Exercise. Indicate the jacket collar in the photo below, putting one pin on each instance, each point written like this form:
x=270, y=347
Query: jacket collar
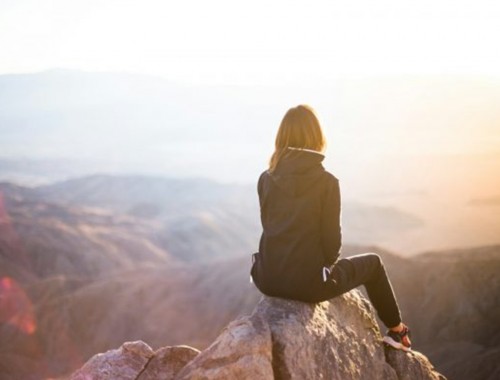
x=299, y=161
x=298, y=170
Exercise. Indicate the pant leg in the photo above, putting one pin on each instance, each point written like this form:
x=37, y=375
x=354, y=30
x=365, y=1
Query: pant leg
x=367, y=269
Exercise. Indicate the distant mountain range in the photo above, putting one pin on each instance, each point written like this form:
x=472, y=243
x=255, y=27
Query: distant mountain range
x=224, y=218
x=82, y=270
x=121, y=122
x=417, y=157
x=452, y=300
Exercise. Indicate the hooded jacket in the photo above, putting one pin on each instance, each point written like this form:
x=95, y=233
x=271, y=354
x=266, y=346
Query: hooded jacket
x=300, y=216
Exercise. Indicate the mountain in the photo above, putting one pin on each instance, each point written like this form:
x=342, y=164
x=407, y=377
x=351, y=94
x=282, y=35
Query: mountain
x=81, y=279
x=171, y=211
x=453, y=296
x=422, y=150
x=47, y=239
x=199, y=300
x=451, y=299
x=224, y=217
x=73, y=319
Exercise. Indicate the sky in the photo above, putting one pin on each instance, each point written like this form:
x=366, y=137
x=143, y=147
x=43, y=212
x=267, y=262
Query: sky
x=252, y=42
x=386, y=61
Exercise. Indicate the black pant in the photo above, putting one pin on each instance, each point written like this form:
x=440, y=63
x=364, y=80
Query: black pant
x=367, y=269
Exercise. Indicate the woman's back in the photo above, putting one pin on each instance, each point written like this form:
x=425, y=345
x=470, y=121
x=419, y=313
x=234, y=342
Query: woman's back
x=293, y=249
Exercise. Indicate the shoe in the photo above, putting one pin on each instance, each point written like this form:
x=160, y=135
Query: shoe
x=399, y=340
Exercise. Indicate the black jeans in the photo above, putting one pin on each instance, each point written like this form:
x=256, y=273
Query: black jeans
x=367, y=269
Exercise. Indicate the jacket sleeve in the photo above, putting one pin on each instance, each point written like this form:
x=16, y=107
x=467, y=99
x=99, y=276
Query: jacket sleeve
x=331, y=230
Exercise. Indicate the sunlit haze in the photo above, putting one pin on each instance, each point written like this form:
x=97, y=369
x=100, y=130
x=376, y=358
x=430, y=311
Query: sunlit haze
x=252, y=42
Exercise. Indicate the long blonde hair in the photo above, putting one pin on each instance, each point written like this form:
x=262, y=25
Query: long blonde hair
x=300, y=128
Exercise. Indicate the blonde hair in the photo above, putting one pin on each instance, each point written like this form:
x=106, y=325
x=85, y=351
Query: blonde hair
x=300, y=128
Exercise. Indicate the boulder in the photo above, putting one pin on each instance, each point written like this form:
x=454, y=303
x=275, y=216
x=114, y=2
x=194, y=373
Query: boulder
x=167, y=362
x=287, y=339
x=136, y=361
x=123, y=363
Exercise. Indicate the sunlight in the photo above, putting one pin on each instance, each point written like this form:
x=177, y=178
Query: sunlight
x=254, y=43
x=15, y=306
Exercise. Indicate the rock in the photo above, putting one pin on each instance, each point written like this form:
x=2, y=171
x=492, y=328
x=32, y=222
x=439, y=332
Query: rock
x=411, y=365
x=243, y=351
x=124, y=363
x=167, y=362
x=136, y=361
x=286, y=339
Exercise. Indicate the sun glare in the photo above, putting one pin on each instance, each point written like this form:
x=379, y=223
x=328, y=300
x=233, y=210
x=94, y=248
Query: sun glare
x=256, y=42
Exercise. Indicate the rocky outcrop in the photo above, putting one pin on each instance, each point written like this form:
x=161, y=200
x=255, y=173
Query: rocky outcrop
x=136, y=361
x=285, y=339
x=281, y=339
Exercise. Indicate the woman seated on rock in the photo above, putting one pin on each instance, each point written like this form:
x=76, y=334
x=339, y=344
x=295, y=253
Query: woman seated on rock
x=300, y=245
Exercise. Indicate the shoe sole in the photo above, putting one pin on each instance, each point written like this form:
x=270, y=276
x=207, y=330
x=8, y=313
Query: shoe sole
x=396, y=345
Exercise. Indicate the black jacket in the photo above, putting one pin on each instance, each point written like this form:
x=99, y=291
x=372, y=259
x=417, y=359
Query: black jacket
x=300, y=215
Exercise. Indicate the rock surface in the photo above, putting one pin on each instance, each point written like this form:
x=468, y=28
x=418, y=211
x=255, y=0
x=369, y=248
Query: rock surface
x=124, y=363
x=167, y=362
x=136, y=361
x=281, y=339
x=411, y=365
x=285, y=339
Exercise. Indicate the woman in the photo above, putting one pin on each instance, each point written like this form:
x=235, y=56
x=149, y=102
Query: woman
x=300, y=245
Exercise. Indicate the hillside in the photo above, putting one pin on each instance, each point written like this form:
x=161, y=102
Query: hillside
x=80, y=279
x=224, y=217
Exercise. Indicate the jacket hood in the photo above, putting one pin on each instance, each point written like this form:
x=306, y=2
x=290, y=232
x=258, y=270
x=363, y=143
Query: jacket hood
x=298, y=171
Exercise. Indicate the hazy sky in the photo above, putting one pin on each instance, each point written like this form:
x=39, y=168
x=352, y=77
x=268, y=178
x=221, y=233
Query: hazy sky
x=249, y=42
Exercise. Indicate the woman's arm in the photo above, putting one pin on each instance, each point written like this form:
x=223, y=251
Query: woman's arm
x=331, y=231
